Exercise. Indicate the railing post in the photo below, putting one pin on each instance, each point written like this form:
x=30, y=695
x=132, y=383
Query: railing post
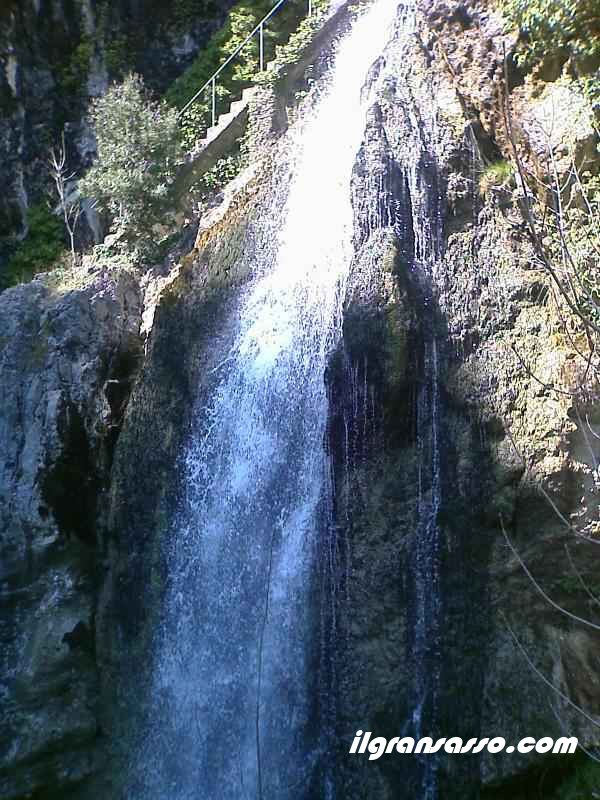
x=214, y=101
x=310, y=8
x=261, y=36
x=212, y=82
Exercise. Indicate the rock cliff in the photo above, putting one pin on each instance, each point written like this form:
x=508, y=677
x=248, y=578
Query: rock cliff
x=68, y=352
x=55, y=57
x=449, y=326
x=514, y=455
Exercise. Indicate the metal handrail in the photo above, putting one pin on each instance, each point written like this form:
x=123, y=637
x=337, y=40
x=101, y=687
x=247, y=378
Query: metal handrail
x=212, y=81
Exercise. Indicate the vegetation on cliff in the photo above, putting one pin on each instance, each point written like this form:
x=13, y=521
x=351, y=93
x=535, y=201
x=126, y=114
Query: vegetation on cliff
x=549, y=27
x=138, y=152
x=55, y=57
x=559, y=32
x=242, y=20
x=551, y=166
x=39, y=251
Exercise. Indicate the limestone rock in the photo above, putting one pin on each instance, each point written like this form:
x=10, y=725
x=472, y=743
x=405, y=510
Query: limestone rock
x=66, y=360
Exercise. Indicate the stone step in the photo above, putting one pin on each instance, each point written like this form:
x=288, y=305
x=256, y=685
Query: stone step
x=236, y=108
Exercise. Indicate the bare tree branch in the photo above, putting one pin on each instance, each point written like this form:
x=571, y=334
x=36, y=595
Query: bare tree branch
x=527, y=205
x=583, y=583
x=592, y=431
x=71, y=210
x=540, y=590
x=566, y=731
x=542, y=677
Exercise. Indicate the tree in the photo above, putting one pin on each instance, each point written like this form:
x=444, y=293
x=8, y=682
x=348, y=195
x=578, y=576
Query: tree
x=549, y=26
x=138, y=151
x=69, y=202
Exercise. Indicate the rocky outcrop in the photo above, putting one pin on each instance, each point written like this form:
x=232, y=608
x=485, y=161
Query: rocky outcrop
x=67, y=356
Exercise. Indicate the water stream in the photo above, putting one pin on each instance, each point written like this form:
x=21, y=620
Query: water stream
x=427, y=543
x=233, y=697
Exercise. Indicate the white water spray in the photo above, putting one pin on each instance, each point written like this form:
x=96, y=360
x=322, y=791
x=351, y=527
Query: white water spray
x=234, y=687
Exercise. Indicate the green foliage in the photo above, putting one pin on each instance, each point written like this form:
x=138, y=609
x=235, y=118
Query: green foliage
x=40, y=249
x=583, y=784
x=73, y=75
x=570, y=584
x=116, y=55
x=290, y=52
x=186, y=12
x=243, y=71
x=590, y=85
x=222, y=172
x=138, y=152
x=494, y=176
x=120, y=51
x=550, y=27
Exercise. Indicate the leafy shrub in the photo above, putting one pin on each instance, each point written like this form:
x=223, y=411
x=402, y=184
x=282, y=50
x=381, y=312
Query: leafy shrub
x=186, y=12
x=222, y=172
x=583, y=784
x=138, y=151
x=551, y=26
x=73, y=75
x=40, y=249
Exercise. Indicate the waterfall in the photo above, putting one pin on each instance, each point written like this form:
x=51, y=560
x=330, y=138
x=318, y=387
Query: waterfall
x=426, y=554
x=232, y=703
x=427, y=220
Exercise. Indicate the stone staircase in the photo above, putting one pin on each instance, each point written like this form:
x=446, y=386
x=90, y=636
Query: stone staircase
x=219, y=141
x=237, y=109
x=230, y=126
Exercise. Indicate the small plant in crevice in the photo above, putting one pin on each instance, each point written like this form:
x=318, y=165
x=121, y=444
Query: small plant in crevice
x=497, y=175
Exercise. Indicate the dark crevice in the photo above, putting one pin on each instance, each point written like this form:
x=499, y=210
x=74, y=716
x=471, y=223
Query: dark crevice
x=71, y=484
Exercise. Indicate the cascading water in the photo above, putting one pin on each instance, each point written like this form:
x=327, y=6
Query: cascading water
x=233, y=694
x=427, y=227
x=426, y=561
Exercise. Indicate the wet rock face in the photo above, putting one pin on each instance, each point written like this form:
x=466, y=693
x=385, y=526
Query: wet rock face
x=63, y=352
x=382, y=450
x=501, y=437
